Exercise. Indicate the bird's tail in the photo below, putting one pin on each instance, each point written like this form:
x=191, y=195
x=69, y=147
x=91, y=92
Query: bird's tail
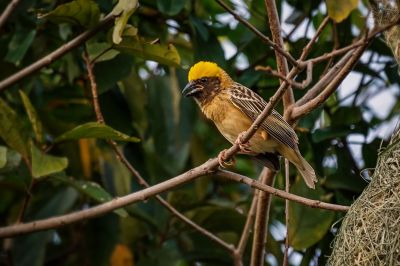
x=305, y=169
x=307, y=172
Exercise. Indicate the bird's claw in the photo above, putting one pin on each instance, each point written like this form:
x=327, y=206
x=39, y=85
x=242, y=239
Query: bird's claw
x=244, y=147
x=223, y=162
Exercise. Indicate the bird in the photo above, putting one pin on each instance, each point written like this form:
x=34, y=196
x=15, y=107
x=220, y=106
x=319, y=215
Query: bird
x=233, y=108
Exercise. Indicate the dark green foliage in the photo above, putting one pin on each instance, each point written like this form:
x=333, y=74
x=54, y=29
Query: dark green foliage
x=48, y=126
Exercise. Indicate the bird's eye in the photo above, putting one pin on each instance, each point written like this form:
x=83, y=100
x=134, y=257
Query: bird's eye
x=203, y=80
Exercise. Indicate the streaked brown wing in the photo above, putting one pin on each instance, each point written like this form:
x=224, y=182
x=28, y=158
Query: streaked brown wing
x=252, y=105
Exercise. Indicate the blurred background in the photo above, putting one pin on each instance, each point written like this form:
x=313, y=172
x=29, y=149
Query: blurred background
x=140, y=96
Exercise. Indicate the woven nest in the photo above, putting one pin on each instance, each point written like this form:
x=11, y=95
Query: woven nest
x=370, y=232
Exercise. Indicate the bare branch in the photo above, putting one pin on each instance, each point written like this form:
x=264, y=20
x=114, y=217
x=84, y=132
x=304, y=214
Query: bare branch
x=287, y=189
x=62, y=50
x=247, y=227
x=306, y=108
x=259, y=34
x=275, y=27
x=7, y=12
x=291, y=82
x=262, y=219
x=307, y=49
x=204, y=169
x=59, y=221
x=280, y=193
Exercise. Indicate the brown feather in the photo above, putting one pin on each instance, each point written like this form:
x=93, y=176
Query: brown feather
x=252, y=105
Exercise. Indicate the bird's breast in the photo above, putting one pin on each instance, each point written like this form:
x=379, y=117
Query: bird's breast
x=230, y=121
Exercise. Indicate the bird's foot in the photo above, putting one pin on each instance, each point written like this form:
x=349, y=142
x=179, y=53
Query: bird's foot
x=223, y=161
x=244, y=146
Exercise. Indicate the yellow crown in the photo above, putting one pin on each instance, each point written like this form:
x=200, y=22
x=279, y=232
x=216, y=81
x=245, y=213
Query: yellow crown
x=204, y=69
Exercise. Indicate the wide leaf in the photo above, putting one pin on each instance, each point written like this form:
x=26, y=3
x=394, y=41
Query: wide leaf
x=124, y=9
x=43, y=164
x=33, y=117
x=161, y=53
x=95, y=130
x=338, y=10
x=91, y=189
x=307, y=225
x=85, y=13
x=3, y=156
x=11, y=129
x=170, y=7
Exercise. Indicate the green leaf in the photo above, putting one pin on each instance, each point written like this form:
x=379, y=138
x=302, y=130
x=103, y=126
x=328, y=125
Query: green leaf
x=170, y=7
x=327, y=133
x=338, y=10
x=97, y=50
x=3, y=156
x=91, y=189
x=307, y=225
x=11, y=129
x=346, y=115
x=30, y=250
x=19, y=45
x=81, y=12
x=33, y=117
x=124, y=9
x=95, y=130
x=43, y=164
x=12, y=160
x=106, y=79
x=161, y=53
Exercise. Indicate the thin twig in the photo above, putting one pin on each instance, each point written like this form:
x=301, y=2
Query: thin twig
x=307, y=48
x=259, y=34
x=262, y=219
x=281, y=62
x=7, y=12
x=204, y=169
x=291, y=82
x=281, y=193
x=287, y=189
x=120, y=156
x=306, y=108
x=366, y=38
x=116, y=203
x=247, y=227
x=59, y=52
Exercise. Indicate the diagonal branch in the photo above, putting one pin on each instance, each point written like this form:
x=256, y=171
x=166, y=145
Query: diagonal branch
x=267, y=40
x=204, y=169
x=7, y=12
x=281, y=62
x=281, y=193
x=300, y=111
x=56, y=54
x=262, y=218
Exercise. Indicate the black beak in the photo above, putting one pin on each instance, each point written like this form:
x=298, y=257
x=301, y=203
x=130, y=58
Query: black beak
x=191, y=88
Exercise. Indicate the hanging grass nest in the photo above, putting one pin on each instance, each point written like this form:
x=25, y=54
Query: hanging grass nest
x=370, y=232
x=385, y=12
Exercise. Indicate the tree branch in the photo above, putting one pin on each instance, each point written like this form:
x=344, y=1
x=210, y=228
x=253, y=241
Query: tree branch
x=7, y=12
x=247, y=227
x=267, y=40
x=262, y=219
x=275, y=27
x=280, y=193
x=287, y=189
x=306, y=108
x=62, y=50
x=204, y=169
x=59, y=221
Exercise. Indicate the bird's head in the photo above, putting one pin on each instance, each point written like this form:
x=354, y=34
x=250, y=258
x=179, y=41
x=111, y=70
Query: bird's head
x=205, y=80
